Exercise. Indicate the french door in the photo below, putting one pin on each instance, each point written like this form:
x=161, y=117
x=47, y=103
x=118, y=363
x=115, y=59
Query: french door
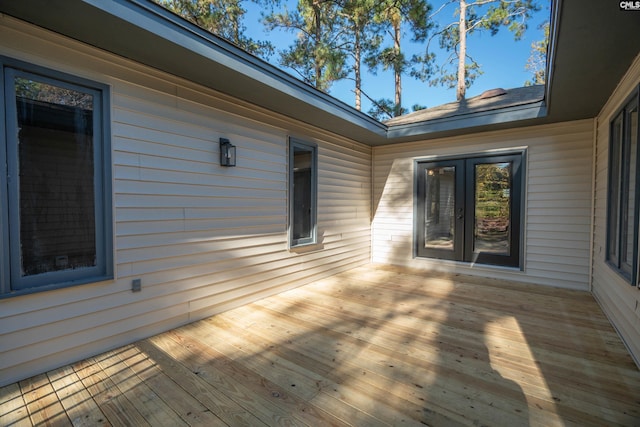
x=469, y=209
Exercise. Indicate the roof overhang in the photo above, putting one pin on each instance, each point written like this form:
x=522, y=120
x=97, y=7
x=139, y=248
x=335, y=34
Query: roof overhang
x=149, y=34
x=473, y=122
x=593, y=43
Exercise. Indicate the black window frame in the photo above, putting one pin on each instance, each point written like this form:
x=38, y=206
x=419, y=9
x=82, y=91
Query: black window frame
x=294, y=216
x=620, y=212
x=465, y=209
x=12, y=281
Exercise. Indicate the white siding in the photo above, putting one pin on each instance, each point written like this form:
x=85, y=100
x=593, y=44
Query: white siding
x=557, y=222
x=202, y=238
x=620, y=300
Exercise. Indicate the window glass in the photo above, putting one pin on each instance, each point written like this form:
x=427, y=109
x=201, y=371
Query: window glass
x=615, y=153
x=492, y=208
x=439, y=227
x=622, y=206
x=469, y=209
x=55, y=181
x=302, y=193
x=629, y=209
x=56, y=186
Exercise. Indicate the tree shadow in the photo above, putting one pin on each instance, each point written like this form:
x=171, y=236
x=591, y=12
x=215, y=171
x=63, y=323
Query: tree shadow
x=351, y=349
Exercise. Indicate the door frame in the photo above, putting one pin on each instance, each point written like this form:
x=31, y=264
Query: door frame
x=458, y=210
x=468, y=256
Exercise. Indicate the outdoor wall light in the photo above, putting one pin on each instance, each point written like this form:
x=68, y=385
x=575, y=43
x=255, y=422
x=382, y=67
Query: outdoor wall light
x=227, y=153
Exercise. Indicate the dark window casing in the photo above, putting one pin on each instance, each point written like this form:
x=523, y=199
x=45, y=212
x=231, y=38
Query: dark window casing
x=469, y=209
x=55, y=188
x=303, y=184
x=623, y=197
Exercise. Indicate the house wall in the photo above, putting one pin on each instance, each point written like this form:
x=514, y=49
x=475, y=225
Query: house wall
x=557, y=220
x=619, y=300
x=201, y=237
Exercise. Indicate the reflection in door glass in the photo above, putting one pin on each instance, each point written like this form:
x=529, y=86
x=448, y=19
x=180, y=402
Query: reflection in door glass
x=493, y=203
x=440, y=207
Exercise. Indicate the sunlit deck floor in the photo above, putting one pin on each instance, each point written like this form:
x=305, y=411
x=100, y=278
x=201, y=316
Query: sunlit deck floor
x=372, y=346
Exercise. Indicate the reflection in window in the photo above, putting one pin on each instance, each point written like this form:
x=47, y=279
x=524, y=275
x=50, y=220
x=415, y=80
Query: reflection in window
x=440, y=207
x=622, y=215
x=469, y=209
x=57, y=226
x=56, y=181
x=492, y=203
x=303, y=184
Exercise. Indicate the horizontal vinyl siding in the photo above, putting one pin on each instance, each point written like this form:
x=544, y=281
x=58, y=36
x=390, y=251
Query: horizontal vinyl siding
x=557, y=220
x=619, y=300
x=202, y=238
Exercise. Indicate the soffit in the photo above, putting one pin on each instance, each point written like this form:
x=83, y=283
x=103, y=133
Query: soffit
x=593, y=44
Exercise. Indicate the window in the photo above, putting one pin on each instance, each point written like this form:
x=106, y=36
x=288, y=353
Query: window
x=303, y=181
x=623, y=200
x=55, y=184
x=469, y=209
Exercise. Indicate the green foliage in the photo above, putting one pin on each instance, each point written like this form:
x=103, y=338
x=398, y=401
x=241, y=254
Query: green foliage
x=391, y=15
x=493, y=183
x=360, y=37
x=479, y=16
x=537, y=62
x=222, y=18
x=512, y=15
x=315, y=54
x=337, y=39
x=384, y=109
x=38, y=91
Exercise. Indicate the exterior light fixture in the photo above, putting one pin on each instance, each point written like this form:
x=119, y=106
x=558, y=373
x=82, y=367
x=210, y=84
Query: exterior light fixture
x=227, y=153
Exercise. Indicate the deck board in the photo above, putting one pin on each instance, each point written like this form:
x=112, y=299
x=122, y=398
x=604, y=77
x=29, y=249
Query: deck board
x=372, y=346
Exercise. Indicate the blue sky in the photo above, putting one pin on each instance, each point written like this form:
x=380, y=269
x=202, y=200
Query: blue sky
x=502, y=59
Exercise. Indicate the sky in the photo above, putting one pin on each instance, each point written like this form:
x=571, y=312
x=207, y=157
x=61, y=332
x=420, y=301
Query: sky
x=502, y=60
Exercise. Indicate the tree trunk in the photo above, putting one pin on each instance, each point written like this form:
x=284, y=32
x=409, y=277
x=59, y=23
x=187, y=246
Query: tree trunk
x=462, y=54
x=357, y=69
x=318, y=60
x=397, y=68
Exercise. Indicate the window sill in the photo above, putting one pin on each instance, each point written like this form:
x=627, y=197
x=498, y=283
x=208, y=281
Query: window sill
x=56, y=286
x=306, y=248
x=622, y=274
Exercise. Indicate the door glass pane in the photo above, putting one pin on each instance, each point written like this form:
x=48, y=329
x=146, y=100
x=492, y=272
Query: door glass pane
x=56, y=178
x=492, y=208
x=440, y=207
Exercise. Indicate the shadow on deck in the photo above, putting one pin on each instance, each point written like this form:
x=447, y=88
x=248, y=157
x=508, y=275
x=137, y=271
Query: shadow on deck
x=372, y=346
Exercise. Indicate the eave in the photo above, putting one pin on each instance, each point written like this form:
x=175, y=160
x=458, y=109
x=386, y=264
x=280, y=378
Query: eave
x=592, y=45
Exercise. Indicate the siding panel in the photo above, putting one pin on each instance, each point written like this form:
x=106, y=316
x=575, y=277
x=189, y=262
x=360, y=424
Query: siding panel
x=557, y=222
x=202, y=238
x=619, y=300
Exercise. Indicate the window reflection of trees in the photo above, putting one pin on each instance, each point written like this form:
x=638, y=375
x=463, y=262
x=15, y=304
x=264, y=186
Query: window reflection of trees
x=492, y=203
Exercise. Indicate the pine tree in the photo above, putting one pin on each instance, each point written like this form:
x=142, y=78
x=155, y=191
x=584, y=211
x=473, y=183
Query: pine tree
x=392, y=14
x=360, y=38
x=315, y=54
x=537, y=62
x=222, y=18
x=472, y=17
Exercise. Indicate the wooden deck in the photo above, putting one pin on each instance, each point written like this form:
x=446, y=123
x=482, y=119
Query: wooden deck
x=372, y=346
